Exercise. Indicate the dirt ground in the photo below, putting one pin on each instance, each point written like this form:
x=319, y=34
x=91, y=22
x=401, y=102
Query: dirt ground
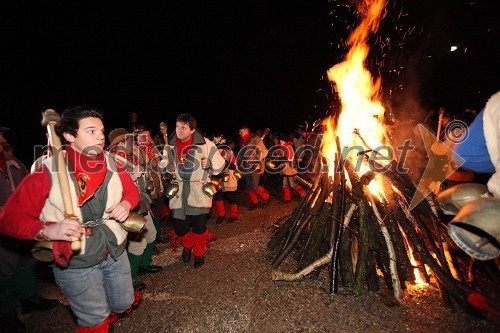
x=233, y=292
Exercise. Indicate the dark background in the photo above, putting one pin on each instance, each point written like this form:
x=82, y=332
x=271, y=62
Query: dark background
x=228, y=62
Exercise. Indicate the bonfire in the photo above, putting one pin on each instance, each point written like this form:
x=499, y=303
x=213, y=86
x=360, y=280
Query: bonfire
x=356, y=218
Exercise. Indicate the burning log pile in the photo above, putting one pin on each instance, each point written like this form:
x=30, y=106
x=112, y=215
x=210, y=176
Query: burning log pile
x=360, y=236
x=356, y=219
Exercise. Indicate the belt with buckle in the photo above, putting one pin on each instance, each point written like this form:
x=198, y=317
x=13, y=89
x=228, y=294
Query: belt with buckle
x=92, y=224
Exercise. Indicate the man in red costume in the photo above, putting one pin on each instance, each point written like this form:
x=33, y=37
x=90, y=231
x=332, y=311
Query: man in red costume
x=192, y=158
x=251, y=159
x=96, y=281
x=230, y=186
x=136, y=161
x=286, y=150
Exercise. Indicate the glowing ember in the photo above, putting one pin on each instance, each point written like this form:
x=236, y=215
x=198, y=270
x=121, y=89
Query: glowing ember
x=377, y=190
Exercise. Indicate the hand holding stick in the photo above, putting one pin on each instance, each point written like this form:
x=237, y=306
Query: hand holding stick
x=50, y=119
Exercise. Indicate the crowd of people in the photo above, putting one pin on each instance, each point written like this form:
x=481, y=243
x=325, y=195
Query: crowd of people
x=83, y=191
x=82, y=195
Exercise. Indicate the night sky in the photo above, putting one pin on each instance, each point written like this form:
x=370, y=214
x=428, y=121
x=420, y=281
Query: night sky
x=229, y=62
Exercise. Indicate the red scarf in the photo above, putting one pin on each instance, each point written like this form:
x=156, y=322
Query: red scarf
x=289, y=151
x=181, y=148
x=131, y=158
x=88, y=171
x=148, y=148
x=245, y=138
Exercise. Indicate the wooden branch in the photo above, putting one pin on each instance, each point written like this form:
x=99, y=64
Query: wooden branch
x=345, y=261
x=305, y=210
x=280, y=233
x=404, y=270
x=283, y=276
x=316, y=236
x=360, y=275
x=447, y=280
x=281, y=236
x=390, y=250
x=372, y=279
x=293, y=241
x=338, y=217
x=400, y=216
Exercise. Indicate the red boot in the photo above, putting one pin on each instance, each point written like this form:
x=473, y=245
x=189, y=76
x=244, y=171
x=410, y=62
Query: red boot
x=263, y=193
x=187, y=242
x=103, y=327
x=221, y=211
x=253, y=198
x=113, y=316
x=287, y=197
x=199, y=249
x=233, y=213
x=300, y=191
x=200, y=240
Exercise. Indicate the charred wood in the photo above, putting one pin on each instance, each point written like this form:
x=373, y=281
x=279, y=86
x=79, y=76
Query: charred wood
x=383, y=268
x=316, y=265
x=285, y=251
x=458, y=294
x=395, y=283
x=321, y=192
x=281, y=235
x=315, y=238
x=337, y=217
x=371, y=273
x=361, y=264
x=345, y=261
x=382, y=234
x=405, y=271
x=363, y=233
x=310, y=200
x=452, y=260
x=400, y=216
x=445, y=295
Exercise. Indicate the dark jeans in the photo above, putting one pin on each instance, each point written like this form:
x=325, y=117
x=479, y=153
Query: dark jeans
x=196, y=223
x=230, y=196
x=252, y=181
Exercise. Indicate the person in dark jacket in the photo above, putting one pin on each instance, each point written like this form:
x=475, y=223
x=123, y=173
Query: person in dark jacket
x=17, y=265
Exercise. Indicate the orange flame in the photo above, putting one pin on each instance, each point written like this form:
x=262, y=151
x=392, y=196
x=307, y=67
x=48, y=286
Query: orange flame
x=359, y=125
x=362, y=110
x=419, y=280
